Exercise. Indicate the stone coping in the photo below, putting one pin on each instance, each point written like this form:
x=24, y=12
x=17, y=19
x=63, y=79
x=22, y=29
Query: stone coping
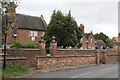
x=22, y=49
x=112, y=55
x=65, y=56
x=78, y=49
x=14, y=58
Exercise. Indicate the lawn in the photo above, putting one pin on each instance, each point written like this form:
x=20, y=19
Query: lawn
x=15, y=71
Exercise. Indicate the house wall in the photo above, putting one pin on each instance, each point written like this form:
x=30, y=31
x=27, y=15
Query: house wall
x=10, y=38
x=23, y=36
x=84, y=44
x=91, y=44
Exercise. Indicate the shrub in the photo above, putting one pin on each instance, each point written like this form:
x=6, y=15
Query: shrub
x=20, y=45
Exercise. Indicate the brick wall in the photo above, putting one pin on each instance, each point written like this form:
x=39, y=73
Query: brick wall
x=62, y=58
x=75, y=52
x=64, y=61
x=29, y=54
x=108, y=56
x=112, y=56
x=16, y=60
x=70, y=58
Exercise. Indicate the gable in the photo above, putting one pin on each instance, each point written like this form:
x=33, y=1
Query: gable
x=116, y=39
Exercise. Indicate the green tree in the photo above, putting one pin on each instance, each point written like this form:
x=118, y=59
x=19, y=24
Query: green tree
x=64, y=28
x=8, y=18
x=105, y=38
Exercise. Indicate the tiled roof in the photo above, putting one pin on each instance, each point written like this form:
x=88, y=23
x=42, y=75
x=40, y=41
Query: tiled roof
x=100, y=43
x=31, y=22
x=117, y=39
x=87, y=35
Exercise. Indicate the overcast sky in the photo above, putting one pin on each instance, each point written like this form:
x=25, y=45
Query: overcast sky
x=97, y=16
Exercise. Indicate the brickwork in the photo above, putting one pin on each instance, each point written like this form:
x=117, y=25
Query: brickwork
x=75, y=52
x=17, y=61
x=23, y=36
x=29, y=54
x=70, y=58
x=62, y=58
x=87, y=37
x=42, y=46
x=91, y=41
x=53, y=47
x=64, y=61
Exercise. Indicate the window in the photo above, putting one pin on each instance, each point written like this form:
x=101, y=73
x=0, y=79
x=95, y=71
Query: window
x=91, y=40
x=43, y=34
x=81, y=39
x=33, y=38
x=33, y=33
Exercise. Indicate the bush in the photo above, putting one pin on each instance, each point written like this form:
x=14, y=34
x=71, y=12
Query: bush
x=29, y=45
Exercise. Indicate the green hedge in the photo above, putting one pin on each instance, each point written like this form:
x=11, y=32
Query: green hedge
x=28, y=45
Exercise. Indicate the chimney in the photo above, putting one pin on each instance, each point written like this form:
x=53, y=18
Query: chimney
x=82, y=28
x=119, y=35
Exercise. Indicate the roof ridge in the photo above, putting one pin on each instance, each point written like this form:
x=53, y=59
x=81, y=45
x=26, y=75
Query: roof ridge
x=28, y=15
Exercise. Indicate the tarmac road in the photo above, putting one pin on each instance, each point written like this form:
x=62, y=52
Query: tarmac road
x=101, y=71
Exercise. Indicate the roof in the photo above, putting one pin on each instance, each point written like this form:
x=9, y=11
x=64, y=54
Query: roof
x=87, y=35
x=31, y=22
x=81, y=26
x=100, y=43
x=117, y=39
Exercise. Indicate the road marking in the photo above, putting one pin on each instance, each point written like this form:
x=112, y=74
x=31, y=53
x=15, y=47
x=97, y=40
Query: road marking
x=109, y=68
x=80, y=75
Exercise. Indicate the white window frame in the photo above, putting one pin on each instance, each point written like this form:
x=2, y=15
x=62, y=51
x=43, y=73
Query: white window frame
x=81, y=39
x=33, y=38
x=91, y=40
x=33, y=33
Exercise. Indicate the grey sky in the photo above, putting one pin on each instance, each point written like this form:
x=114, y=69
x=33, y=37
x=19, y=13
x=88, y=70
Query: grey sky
x=97, y=16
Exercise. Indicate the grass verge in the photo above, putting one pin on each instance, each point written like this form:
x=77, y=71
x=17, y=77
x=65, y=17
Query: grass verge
x=15, y=71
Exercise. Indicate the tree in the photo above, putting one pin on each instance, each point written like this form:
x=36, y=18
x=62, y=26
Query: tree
x=105, y=38
x=64, y=28
x=8, y=18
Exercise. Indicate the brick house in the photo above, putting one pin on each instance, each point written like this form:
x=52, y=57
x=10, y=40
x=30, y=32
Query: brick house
x=116, y=41
x=28, y=29
x=87, y=40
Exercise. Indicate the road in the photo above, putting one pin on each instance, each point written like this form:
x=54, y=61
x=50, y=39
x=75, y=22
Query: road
x=101, y=71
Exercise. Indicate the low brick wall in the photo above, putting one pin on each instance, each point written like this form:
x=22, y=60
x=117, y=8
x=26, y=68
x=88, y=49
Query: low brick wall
x=112, y=58
x=75, y=52
x=30, y=55
x=64, y=61
x=62, y=57
x=17, y=60
x=70, y=58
